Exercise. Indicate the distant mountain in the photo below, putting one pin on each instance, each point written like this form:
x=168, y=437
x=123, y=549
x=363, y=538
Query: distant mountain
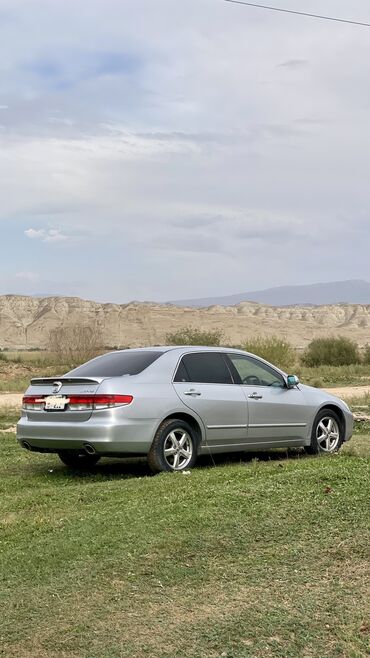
x=26, y=322
x=336, y=292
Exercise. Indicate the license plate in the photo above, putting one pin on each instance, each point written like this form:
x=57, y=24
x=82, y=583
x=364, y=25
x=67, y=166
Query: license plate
x=56, y=403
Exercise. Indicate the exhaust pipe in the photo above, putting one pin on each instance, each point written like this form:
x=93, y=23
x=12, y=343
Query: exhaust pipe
x=27, y=446
x=89, y=449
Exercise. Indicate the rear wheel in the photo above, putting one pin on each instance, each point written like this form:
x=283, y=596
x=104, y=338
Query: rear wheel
x=75, y=459
x=327, y=433
x=174, y=447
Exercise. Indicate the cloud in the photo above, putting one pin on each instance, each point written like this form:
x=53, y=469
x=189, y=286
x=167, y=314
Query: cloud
x=293, y=64
x=183, y=138
x=54, y=235
x=35, y=234
x=46, y=235
x=232, y=232
x=27, y=276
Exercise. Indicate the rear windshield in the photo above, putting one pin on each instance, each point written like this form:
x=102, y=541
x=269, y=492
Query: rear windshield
x=116, y=364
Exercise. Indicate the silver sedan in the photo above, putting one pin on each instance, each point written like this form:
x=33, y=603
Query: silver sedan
x=175, y=403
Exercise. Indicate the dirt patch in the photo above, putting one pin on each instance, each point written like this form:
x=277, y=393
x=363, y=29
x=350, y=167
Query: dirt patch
x=349, y=392
x=13, y=400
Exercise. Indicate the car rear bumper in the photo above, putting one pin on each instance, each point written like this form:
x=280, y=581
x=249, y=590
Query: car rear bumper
x=133, y=437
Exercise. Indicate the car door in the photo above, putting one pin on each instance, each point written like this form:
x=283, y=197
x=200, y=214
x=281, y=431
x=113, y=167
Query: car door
x=204, y=383
x=277, y=415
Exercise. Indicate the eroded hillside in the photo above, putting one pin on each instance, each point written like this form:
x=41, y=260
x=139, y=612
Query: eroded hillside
x=26, y=322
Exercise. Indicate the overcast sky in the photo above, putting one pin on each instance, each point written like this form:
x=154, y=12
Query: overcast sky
x=159, y=149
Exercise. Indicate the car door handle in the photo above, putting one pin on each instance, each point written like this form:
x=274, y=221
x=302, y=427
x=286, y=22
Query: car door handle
x=192, y=392
x=255, y=396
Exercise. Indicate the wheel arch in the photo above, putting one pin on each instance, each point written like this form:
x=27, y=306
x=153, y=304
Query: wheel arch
x=337, y=410
x=194, y=423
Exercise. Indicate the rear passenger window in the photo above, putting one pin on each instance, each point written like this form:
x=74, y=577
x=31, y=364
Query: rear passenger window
x=181, y=375
x=204, y=368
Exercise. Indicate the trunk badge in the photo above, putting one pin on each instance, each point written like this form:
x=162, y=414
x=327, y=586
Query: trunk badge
x=57, y=386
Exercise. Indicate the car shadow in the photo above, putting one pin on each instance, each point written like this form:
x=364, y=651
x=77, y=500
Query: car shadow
x=138, y=467
x=278, y=455
x=110, y=469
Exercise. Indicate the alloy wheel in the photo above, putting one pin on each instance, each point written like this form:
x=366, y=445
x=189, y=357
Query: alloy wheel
x=328, y=434
x=178, y=449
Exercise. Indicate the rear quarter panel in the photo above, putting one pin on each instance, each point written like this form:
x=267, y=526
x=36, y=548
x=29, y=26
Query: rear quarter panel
x=152, y=401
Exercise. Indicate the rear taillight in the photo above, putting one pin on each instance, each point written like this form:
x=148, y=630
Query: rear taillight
x=79, y=402
x=34, y=402
x=82, y=402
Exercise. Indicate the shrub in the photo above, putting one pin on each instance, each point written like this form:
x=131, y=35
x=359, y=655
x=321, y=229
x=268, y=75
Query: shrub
x=331, y=352
x=189, y=336
x=74, y=344
x=274, y=349
x=366, y=355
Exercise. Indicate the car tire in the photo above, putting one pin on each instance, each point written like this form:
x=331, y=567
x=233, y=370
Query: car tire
x=174, y=447
x=327, y=433
x=78, y=460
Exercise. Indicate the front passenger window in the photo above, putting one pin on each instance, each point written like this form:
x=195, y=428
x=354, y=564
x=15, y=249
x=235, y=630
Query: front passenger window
x=255, y=373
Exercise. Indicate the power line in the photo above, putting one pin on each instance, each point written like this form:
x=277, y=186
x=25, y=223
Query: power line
x=298, y=13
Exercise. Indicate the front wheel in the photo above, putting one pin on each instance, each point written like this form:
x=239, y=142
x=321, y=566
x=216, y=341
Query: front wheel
x=79, y=460
x=327, y=433
x=173, y=447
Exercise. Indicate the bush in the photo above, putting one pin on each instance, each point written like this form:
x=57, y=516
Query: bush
x=275, y=350
x=366, y=355
x=189, y=336
x=331, y=352
x=74, y=344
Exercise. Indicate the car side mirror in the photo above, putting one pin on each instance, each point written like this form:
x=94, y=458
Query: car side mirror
x=292, y=381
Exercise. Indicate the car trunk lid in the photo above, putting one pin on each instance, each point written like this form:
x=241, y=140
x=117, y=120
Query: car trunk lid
x=60, y=399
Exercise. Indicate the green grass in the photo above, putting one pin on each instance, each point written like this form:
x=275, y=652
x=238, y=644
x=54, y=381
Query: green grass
x=326, y=376
x=261, y=557
x=8, y=418
x=16, y=373
x=360, y=406
x=36, y=358
x=14, y=384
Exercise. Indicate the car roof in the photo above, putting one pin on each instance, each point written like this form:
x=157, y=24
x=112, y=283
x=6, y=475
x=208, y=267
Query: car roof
x=169, y=355
x=181, y=348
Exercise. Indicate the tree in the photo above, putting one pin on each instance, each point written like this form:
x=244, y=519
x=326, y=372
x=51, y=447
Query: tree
x=76, y=343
